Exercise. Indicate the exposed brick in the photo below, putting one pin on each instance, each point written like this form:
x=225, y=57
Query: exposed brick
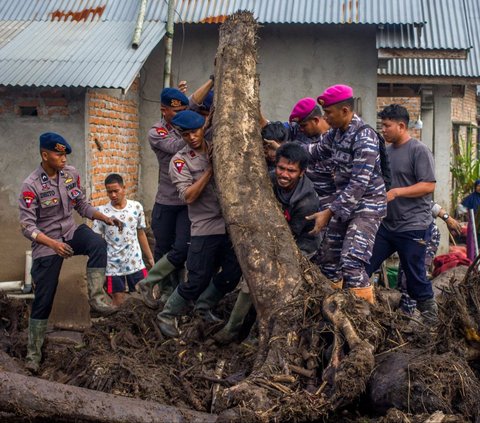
x=56, y=102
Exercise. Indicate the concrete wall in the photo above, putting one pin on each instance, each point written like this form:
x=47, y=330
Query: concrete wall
x=59, y=110
x=295, y=61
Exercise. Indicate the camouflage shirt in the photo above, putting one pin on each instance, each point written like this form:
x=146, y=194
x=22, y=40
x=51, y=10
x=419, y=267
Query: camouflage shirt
x=357, y=178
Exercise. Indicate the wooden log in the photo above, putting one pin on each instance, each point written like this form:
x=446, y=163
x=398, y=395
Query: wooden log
x=37, y=398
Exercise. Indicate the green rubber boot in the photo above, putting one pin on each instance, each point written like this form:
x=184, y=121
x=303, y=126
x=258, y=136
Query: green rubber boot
x=157, y=274
x=207, y=300
x=232, y=329
x=98, y=299
x=36, y=335
x=175, y=306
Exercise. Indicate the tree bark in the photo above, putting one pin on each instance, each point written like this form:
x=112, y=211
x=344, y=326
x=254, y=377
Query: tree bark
x=37, y=398
x=276, y=272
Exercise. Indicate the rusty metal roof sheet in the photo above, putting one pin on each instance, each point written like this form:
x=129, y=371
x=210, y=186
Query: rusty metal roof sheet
x=194, y=11
x=90, y=54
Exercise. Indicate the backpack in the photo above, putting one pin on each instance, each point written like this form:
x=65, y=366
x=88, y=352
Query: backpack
x=384, y=161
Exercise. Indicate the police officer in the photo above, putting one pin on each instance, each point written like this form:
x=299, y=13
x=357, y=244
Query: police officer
x=210, y=249
x=170, y=223
x=354, y=216
x=47, y=199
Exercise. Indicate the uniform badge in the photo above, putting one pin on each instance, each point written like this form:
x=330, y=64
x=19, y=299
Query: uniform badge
x=44, y=178
x=162, y=132
x=68, y=180
x=175, y=103
x=74, y=193
x=78, y=181
x=192, y=153
x=28, y=197
x=60, y=148
x=62, y=173
x=179, y=163
x=45, y=187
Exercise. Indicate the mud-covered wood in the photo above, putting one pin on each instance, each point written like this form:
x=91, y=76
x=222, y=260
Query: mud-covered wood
x=28, y=396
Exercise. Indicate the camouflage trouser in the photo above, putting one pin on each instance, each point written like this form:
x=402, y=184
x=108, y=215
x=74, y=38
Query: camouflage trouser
x=407, y=303
x=347, y=248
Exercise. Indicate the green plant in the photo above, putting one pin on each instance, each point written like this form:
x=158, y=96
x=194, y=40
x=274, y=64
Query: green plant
x=465, y=167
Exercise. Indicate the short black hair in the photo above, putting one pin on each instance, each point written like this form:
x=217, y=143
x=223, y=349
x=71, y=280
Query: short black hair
x=294, y=153
x=349, y=102
x=114, y=178
x=395, y=112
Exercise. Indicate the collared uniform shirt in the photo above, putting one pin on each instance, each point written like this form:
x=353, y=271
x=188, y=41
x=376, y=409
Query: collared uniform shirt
x=357, y=175
x=165, y=141
x=205, y=213
x=46, y=207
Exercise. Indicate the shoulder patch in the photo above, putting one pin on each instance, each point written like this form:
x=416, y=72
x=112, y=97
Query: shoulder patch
x=28, y=197
x=179, y=163
x=162, y=132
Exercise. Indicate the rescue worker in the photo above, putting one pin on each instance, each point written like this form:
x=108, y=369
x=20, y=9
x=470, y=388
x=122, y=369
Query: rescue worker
x=354, y=216
x=306, y=125
x=170, y=223
x=47, y=199
x=210, y=249
x=297, y=197
x=407, y=228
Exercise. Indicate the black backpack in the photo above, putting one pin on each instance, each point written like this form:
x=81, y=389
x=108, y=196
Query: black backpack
x=384, y=161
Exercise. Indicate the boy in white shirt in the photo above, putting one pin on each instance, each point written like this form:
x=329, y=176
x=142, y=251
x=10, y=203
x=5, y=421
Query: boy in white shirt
x=125, y=266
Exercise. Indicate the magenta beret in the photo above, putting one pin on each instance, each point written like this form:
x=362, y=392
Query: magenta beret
x=302, y=109
x=335, y=94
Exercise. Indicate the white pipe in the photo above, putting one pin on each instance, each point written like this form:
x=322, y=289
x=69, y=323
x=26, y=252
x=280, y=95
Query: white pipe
x=11, y=286
x=27, y=287
x=474, y=230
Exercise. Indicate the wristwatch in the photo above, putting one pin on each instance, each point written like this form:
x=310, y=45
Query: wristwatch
x=445, y=216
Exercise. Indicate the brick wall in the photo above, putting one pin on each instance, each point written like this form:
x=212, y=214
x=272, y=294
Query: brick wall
x=113, y=139
x=465, y=109
x=412, y=104
x=44, y=103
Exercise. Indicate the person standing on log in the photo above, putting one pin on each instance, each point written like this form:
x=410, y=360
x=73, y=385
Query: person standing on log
x=408, y=226
x=354, y=216
x=170, y=223
x=48, y=197
x=210, y=249
x=297, y=197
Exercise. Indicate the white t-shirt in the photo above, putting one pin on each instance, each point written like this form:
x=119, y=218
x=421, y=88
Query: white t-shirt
x=124, y=255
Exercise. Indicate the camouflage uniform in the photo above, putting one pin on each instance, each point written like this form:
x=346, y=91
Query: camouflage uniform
x=359, y=205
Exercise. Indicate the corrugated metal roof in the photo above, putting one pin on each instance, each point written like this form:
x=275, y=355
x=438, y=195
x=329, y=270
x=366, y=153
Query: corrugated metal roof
x=469, y=68
x=194, y=11
x=88, y=54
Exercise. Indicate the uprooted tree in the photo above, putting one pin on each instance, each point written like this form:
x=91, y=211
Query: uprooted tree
x=319, y=351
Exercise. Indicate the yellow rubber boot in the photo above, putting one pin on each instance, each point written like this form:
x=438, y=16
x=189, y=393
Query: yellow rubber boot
x=365, y=293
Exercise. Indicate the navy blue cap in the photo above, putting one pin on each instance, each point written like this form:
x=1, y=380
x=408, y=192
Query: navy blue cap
x=187, y=120
x=173, y=97
x=54, y=142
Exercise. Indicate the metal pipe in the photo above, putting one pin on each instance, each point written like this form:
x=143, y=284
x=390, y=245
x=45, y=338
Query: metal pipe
x=11, y=286
x=139, y=25
x=27, y=287
x=167, y=68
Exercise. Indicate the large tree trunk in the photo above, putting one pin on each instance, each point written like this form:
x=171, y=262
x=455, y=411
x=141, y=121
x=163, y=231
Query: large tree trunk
x=27, y=396
x=289, y=293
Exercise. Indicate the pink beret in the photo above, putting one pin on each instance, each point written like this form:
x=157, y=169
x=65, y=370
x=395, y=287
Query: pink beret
x=302, y=109
x=335, y=94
